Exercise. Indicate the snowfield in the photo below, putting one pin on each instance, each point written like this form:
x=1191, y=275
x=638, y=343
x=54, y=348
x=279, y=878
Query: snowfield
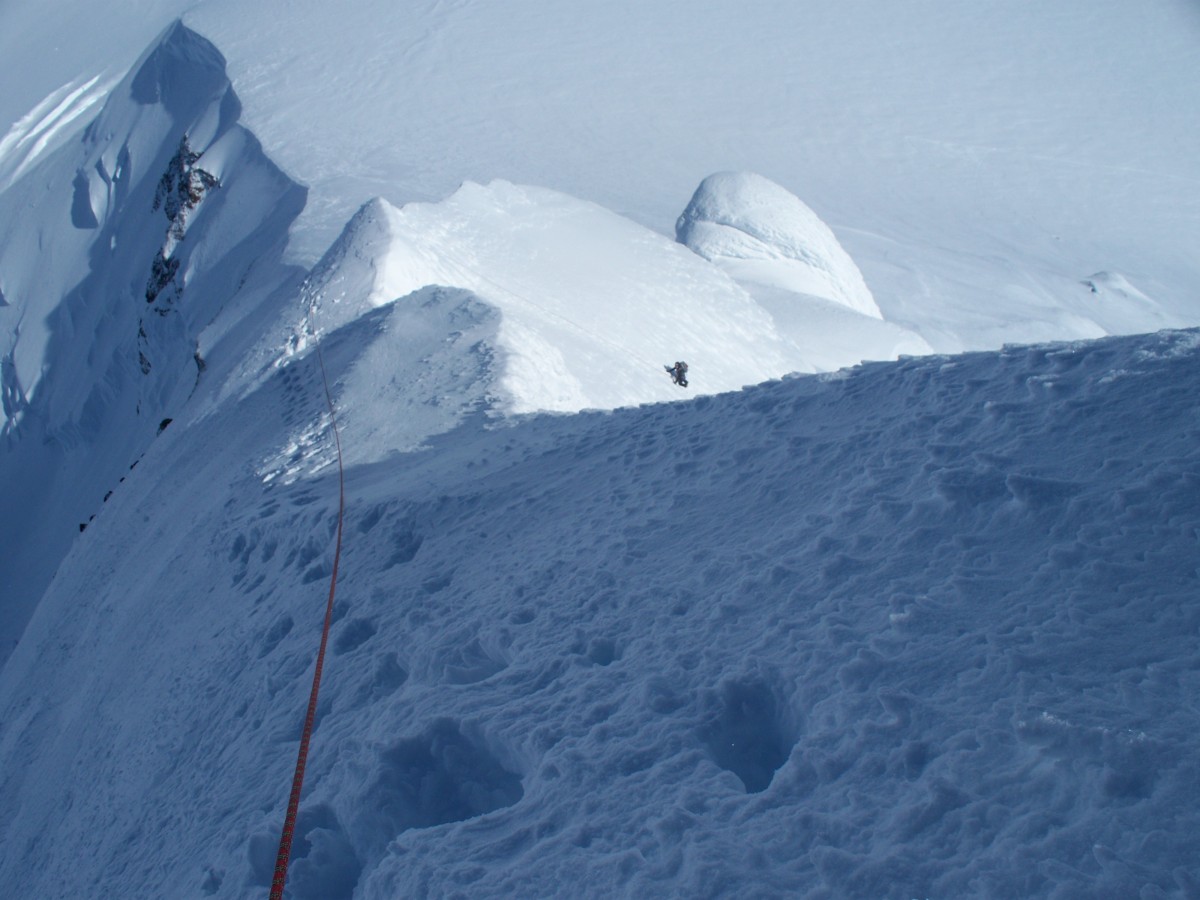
x=857, y=614
x=919, y=629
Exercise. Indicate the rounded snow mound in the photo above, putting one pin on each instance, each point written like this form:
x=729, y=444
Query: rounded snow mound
x=760, y=232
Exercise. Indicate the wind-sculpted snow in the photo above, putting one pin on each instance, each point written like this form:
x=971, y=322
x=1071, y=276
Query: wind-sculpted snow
x=761, y=233
x=29, y=137
x=116, y=251
x=916, y=629
x=783, y=255
x=412, y=370
x=589, y=305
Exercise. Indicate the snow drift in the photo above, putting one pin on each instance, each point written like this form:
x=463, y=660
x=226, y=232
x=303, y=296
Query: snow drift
x=761, y=233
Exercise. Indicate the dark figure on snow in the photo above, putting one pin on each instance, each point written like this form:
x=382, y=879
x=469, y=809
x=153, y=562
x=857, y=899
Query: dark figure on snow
x=679, y=374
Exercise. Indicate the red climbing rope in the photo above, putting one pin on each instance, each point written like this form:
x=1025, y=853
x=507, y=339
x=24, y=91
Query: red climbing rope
x=289, y=821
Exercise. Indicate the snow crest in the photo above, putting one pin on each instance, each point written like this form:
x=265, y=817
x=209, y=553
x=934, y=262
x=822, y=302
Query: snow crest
x=760, y=232
x=591, y=305
x=106, y=299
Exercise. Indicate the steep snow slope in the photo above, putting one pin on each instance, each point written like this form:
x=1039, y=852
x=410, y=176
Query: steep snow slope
x=149, y=249
x=924, y=628
x=116, y=250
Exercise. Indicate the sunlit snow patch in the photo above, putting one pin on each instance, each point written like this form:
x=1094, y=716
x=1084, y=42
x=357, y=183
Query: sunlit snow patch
x=400, y=374
x=591, y=305
x=28, y=138
x=779, y=250
x=760, y=232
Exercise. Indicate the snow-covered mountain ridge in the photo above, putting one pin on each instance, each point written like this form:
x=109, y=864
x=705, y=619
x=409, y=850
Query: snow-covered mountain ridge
x=163, y=229
x=111, y=275
x=914, y=628
x=787, y=640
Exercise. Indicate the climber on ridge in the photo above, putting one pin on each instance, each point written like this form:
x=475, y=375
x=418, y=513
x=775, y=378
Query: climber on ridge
x=678, y=373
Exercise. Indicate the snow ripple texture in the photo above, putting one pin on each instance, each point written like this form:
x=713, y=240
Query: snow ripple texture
x=917, y=629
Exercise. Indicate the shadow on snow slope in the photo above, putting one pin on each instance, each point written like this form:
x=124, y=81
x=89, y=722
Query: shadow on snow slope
x=132, y=248
x=916, y=629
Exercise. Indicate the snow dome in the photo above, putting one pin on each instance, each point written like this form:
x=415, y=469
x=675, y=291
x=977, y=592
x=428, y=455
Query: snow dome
x=761, y=232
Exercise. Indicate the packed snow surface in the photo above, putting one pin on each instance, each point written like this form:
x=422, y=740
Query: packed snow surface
x=925, y=628
x=917, y=628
